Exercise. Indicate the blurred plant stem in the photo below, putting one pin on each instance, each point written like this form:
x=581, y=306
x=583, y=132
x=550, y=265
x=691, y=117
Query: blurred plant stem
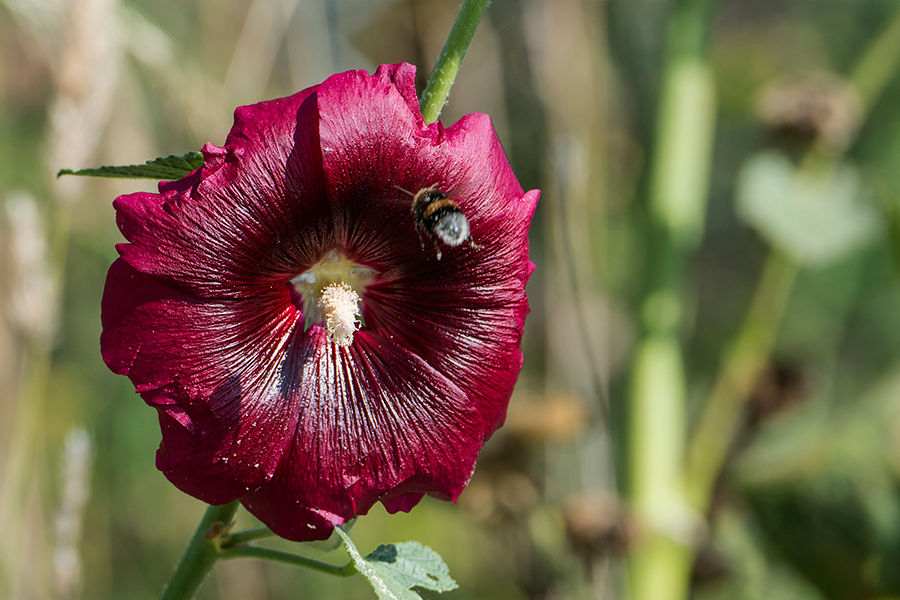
x=438, y=88
x=878, y=65
x=743, y=360
x=660, y=562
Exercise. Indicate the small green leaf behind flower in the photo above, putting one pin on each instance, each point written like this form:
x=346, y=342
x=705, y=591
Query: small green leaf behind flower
x=817, y=218
x=394, y=569
x=163, y=168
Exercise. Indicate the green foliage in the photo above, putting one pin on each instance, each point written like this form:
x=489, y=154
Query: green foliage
x=394, y=569
x=163, y=168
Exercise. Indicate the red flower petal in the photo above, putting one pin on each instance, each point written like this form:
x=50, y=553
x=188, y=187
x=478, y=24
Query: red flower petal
x=212, y=370
x=254, y=216
x=376, y=422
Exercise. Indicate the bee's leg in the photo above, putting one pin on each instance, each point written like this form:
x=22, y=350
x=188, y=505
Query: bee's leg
x=472, y=243
x=421, y=239
x=437, y=248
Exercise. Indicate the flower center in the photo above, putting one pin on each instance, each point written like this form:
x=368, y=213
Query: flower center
x=341, y=305
x=331, y=290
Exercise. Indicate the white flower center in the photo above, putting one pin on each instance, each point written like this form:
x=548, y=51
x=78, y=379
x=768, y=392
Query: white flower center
x=341, y=306
x=331, y=290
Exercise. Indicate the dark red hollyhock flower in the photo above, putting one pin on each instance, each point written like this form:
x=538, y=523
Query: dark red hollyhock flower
x=277, y=308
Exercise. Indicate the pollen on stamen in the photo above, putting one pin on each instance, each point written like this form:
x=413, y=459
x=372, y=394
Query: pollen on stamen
x=340, y=305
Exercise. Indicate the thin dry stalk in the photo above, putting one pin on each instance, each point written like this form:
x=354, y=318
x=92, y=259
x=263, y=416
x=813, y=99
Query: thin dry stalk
x=69, y=522
x=257, y=48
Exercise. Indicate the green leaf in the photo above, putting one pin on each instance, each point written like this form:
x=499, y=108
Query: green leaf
x=394, y=569
x=815, y=218
x=165, y=167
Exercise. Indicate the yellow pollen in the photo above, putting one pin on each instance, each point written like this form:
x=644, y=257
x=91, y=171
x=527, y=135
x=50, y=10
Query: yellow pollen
x=340, y=305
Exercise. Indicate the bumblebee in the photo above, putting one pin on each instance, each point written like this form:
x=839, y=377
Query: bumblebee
x=440, y=219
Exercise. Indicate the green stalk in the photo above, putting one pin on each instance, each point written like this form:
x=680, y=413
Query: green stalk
x=289, y=559
x=659, y=563
x=438, y=88
x=212, y=541
x=742, y=364
x=246, y=536
x=201, y=554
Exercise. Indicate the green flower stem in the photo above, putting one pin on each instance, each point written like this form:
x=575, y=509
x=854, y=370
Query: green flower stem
x=289, y=559
x=246, y=536
x=212, y=542
x=742, y=363
x=659, y=563
x=202, y=552
x=438, y=89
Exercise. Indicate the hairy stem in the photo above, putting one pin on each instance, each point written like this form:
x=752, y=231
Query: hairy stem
x=438, y=88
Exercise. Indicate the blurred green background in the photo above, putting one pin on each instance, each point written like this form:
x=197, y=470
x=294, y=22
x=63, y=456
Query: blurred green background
x=711, y=395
